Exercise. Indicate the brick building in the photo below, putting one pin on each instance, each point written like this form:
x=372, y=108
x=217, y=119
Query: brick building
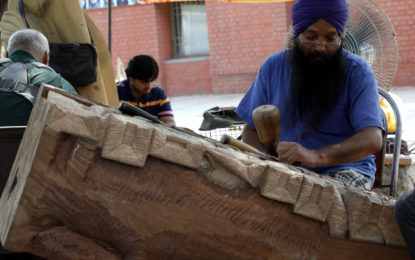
x=232, y=40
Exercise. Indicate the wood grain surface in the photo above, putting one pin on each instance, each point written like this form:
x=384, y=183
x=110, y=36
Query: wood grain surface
x=90, y=183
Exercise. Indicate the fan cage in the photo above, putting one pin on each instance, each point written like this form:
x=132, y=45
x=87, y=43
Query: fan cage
x=370, y=34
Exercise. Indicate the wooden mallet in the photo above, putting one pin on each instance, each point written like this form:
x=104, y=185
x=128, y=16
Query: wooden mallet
x=267, y=123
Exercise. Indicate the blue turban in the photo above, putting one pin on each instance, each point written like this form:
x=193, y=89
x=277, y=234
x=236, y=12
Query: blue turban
x=306, y=12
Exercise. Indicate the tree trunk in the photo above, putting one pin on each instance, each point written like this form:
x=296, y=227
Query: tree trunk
x=90, y=183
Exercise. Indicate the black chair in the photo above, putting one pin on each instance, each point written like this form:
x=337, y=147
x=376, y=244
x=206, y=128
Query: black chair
x=10, y=138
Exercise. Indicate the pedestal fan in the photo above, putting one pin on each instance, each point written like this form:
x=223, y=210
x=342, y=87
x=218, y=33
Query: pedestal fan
x=370, y=34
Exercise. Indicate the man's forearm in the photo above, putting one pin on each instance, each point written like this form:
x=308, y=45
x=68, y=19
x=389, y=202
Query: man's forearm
x=355, y=148
x=367, y=141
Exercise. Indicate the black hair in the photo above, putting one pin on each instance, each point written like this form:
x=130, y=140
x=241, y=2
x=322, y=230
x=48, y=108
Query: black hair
x=315, y=88
x=142, y=67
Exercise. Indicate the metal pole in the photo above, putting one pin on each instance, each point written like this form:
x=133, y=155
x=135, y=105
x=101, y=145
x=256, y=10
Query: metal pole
x=109, y=24
x=397, y=144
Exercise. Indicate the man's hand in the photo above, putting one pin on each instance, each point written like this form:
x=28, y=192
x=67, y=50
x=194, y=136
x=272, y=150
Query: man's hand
x=169, y=120
x=293, y=153
x=367, y=141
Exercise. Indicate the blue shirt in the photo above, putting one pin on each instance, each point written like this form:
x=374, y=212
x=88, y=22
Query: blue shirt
x=156, y=102
x=357, y=108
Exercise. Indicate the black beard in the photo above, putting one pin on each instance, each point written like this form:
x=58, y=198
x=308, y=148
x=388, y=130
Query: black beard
x=316, y=85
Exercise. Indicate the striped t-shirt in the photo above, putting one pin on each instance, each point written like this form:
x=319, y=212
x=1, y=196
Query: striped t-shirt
x=156, y=102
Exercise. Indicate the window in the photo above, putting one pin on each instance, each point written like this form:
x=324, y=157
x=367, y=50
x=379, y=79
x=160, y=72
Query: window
x=189, y=29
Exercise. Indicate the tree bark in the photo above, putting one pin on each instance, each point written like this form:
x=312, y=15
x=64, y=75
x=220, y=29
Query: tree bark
x=90, y=183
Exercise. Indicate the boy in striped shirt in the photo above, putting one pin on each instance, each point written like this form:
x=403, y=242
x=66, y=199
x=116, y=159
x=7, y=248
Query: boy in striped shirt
x=139, y=89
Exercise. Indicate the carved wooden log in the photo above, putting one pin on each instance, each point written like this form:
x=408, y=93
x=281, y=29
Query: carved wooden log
x=90, y=183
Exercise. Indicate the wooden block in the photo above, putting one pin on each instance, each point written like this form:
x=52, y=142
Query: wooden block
x=337, y=216
x=222, y=176
x=67, y=114
x=404, y=160
x=388, y=225
x=256, y=171
x=315, y=199
x=364, y=209
x=234, y=164
x=281, y=184
x=127, y=142
x=177, y=148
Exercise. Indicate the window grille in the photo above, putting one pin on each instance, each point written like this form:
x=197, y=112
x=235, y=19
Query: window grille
x=189, y=29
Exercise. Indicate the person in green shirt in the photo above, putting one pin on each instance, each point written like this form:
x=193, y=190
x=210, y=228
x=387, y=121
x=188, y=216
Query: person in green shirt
x=27, y=59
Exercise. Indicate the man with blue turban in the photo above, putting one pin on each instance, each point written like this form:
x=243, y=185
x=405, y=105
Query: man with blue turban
x=330, y=116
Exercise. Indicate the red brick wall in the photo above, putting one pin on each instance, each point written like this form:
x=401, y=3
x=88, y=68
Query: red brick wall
x=241, y=37
x=130, y=35
x=402, y=16
x=188, y=77
x=137, y=29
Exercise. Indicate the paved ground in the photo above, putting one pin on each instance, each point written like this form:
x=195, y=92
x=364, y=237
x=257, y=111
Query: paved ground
x=189, y=110
x=407, y=108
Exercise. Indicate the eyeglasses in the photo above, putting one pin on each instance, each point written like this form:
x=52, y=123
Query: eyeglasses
x=329, y=45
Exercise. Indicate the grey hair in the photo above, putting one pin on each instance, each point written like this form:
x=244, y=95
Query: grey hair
x=30, y=40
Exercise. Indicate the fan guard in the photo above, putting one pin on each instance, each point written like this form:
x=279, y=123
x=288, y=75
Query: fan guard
x=370, y=34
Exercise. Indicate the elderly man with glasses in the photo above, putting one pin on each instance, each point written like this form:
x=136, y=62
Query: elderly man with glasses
x=330, y=116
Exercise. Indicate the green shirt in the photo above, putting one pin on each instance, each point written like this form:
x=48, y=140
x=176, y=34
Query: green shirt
x=15, y=109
